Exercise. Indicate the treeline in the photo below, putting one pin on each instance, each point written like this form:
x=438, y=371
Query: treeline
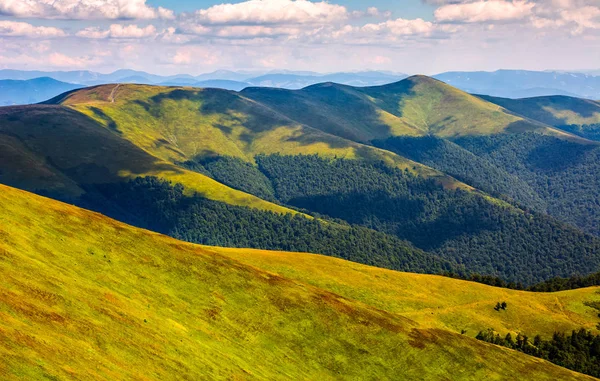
x=578, y=351
x=551, y=285
x=158, y=205
x=562, y=284
x=234, y=173
x=483, y=236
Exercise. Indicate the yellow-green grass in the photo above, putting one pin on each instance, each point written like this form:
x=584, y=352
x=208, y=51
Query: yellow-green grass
x=553, y=110
x=436, y=108
x=56, y=149
x=435, y=301
x=86, y=297
x=179, y=124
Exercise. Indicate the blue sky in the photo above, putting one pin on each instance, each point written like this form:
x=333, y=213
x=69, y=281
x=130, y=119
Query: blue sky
x=408, y=36
x=404, y=8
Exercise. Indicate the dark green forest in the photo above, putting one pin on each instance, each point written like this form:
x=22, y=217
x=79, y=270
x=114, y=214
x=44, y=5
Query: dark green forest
x=160, y=206
x=465, y=166
x=483, y=236
x=588, y=131
x=565, y=175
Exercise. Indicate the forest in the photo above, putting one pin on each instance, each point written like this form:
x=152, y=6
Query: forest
x=158, y=205
x=367, y=212
x=578, y=351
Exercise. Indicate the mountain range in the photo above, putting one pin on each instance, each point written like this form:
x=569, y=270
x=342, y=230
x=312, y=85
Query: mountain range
x=389, y=184
x=501, y=83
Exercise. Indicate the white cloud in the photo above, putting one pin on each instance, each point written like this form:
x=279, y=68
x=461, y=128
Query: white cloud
x=401, y=27
x=119, y=31
x=484, y=11
x=83, y=9
x=62, y=60
x=21, y=29
x=584, y=18
x=272, y=12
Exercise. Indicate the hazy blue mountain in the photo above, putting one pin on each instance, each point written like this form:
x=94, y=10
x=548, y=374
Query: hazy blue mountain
x=522, y=83
x=229, y=75
x=17, y=92
x=76, y=76
x=297, y=81
x=212, y=83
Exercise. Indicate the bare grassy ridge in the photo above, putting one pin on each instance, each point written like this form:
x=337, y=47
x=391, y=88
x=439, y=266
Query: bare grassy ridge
x=86, y=297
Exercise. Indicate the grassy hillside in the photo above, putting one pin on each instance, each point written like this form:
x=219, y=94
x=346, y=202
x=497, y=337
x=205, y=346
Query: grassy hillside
x=336, y=109
x=552, y=110
x=431, y=300
x=574, y=115
x=415, y=106
x=87, y=297
x=189, y=124
x=60, y=151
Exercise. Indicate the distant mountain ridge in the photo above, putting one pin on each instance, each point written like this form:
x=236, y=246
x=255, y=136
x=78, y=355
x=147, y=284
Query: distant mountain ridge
x=524, y=83
x=513, y=84
x=35, y=90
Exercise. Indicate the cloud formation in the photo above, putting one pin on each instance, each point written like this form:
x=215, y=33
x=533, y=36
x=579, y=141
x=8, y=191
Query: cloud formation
x=21, y=29
x=119, y=31
x=484, y=11
x=273, y=12
x=83, y=9
x=276, y=33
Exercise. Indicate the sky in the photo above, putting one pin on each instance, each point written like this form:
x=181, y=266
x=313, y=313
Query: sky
x=200, y=36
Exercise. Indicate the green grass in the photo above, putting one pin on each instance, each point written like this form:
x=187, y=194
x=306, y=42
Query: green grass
x=436, y=108
x=553, y=110
x=416, y=106
x=179, y=124
x=86, y=297
x=59, y=150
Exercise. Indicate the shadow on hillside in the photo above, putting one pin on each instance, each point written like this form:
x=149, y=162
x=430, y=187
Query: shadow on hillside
x=338, y=110
x=78, y=146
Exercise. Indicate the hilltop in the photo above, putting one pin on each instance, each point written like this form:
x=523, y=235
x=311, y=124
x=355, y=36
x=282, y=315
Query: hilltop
x=416, y=106
x=141, y=305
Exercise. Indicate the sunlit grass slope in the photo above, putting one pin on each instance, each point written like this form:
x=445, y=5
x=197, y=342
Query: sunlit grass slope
x=553, y=110
x=86, y=297
x=58, y=150
x=436, y=108
x=435, y=301
x=416, y=106
x=179, y=124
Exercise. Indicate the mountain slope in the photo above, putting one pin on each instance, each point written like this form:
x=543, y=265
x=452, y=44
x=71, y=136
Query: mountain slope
x=189, y=124
x=415, y=106
x=370, y=188
x=574, y=115
x=60, y=151
x=433, y=300
x=15, y=92
x=140, y=305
